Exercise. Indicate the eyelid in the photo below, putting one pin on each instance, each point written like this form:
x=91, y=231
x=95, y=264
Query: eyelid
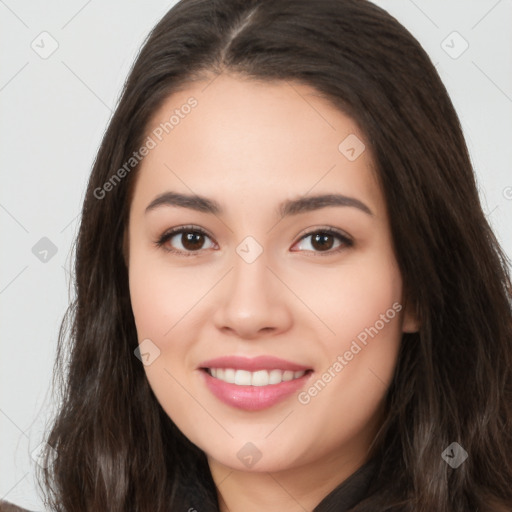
x=323, y=229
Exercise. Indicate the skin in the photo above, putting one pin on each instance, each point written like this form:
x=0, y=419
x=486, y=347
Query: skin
x=251, y=145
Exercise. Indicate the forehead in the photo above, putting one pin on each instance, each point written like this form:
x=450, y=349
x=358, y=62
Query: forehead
x=255, y=137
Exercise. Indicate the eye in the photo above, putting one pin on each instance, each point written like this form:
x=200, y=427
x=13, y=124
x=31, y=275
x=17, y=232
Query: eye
x=323, y=241
x=188, y=239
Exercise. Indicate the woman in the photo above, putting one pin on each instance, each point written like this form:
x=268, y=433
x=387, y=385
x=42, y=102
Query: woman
x=288, y=296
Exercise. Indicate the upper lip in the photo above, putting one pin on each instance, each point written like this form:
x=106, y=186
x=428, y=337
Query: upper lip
x=253, y=364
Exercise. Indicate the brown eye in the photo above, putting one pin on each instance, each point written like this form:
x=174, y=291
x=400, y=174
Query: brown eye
x=325, y=241
x=192, y=241
x=185, y=241
x=322, y=241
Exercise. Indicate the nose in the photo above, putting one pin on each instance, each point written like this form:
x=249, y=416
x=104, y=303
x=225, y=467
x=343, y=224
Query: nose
x=252, y=301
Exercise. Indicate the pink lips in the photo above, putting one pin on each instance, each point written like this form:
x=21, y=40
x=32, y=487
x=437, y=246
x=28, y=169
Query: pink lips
x=252, y=364
x=253, y=398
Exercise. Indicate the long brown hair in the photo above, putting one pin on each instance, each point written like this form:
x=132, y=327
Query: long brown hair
x=118, y=450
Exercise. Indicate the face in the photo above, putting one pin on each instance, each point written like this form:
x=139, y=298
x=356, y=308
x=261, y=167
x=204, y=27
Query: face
x=264, y=286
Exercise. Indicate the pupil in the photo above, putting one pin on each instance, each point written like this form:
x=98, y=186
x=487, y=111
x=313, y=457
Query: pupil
x=188, y=240
x=320, y=241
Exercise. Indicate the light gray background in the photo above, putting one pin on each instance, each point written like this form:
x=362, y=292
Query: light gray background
x=54, y=113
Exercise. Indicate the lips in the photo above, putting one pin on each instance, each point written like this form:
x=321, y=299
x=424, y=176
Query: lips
x=253, y=364
x=253, y=384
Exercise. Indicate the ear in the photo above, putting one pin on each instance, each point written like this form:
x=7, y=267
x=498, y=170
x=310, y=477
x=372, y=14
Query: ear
x=410, y=319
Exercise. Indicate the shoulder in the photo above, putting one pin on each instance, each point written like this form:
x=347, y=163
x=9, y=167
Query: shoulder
x=5, y=506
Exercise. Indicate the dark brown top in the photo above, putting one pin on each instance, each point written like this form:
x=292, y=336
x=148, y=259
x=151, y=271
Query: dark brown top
x=351, y=491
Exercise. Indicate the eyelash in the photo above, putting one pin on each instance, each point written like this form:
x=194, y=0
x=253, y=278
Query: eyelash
x=344, y=239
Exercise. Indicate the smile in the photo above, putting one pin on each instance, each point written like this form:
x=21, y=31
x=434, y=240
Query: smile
x=253, y=383
x=257, y=378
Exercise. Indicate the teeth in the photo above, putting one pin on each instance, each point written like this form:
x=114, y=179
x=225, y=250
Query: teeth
x=258, y=378
x=243, y=378
x=275, y=376
x=229, y=375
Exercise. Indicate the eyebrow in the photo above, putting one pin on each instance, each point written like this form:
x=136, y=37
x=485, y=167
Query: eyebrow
x=286, y=208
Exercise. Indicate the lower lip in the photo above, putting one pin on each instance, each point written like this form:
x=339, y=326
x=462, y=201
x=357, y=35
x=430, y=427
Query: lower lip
x=253, y=398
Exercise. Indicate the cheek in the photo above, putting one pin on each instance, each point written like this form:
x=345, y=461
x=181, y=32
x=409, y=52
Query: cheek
x=166, y=302
x=160, y=299
x=352, y=297
x=363, y=312
x=147, y=299
x=163, y=296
